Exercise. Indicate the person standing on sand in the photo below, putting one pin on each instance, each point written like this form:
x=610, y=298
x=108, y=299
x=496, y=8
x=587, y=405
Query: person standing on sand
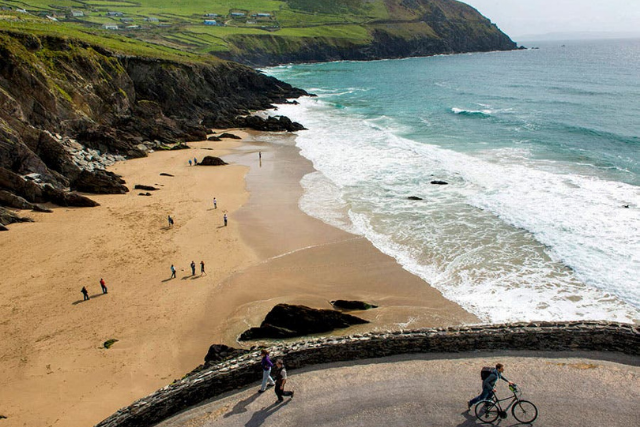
x=260, y=155
x=173, y=272
x=225, y=220
x=193, y=268
x=266, y=371
x=170, y=220
x=215, y=203
x=189, y=162
x=202, y=268
x=281, y=380
x=103, y=286
x=489, y=385
x=195, y=161
x=85, y=294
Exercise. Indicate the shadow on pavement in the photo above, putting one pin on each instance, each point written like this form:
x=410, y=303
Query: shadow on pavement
x=241, y=406
x=259, y=417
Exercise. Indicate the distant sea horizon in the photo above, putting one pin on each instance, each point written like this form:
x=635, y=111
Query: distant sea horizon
x=540, y=150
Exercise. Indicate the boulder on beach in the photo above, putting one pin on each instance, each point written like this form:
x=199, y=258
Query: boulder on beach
x=414, y=198
x=437, y=182
x=220, y=352
x=286, y=321
x=352, y=305
x=229, y=135
x=212, y=161
x=145, y=187
x=214, y=138
x=166, y=174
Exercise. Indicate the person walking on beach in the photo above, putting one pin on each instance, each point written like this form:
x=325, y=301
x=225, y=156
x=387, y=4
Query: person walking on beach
x=195, y=161
x=260, y=155
x=281, y=380
x=85, y=294
x=215, y=203
x=193, y=268
x=489, y=385
x=202, y=272
x=189, y=162
x=170, y=220
x=225, y=220
x=103, y=286
x=266, y=371
x=173, y=272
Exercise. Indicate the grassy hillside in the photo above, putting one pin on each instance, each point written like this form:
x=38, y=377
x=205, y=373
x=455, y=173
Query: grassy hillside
x=227, y=28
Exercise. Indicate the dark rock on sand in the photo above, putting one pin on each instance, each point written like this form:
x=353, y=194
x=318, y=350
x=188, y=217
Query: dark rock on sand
x=7, y=217
x=145, y=187
x=144, y=194
x=179, y=147
x=212, y=161
x=229, y=135
x=214, y=138
x=220, y=352
x=100, y=182
x=436, y=182
x=285, y=321
x=352, y=305
x=414, y=198
x=166, y=174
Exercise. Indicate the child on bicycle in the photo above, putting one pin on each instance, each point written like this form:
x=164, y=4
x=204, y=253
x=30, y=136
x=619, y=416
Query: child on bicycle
x=489, y=385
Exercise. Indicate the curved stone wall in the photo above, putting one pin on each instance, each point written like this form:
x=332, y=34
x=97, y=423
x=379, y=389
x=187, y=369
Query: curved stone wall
x=242, y=371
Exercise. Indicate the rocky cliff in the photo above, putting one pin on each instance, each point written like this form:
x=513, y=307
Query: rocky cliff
x=409, y=28
x=68, y=108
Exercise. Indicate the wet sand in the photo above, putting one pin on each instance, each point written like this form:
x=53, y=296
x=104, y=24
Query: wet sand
x=54, y=368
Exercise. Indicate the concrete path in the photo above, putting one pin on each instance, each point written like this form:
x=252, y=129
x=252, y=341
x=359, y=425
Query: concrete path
x=570, y=389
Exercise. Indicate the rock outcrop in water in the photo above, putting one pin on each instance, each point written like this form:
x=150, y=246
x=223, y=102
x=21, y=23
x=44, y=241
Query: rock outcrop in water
x=68, y=109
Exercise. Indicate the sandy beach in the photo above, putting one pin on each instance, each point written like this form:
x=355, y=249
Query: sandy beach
x=54, y=368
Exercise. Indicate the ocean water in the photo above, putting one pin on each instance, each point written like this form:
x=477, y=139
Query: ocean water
x=541, y=152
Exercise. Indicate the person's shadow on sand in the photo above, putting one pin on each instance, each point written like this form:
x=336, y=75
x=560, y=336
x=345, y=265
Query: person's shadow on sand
x=241, y=406
x=261, y=416
x=83, y=300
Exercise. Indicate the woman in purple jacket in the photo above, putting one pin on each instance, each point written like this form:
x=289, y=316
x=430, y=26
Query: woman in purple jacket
x=266, y=371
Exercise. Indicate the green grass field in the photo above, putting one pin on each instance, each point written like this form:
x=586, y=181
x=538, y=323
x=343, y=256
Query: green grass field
x=178, y=29
x=181, y=22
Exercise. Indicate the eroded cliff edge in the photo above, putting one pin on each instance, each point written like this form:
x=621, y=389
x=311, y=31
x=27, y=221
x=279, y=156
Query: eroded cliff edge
x=64, y=102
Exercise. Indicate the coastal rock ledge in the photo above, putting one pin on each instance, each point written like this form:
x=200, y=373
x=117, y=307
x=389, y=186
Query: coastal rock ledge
x=287, y=321
x=245, y=370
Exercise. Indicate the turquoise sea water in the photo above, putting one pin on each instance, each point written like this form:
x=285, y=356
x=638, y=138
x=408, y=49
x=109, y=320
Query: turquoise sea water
x=541, y=150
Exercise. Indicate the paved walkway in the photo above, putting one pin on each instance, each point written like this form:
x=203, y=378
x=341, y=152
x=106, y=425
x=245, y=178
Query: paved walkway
x=569, y=389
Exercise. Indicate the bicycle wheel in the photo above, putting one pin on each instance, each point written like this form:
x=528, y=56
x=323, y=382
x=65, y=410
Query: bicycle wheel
x=525, y=412
x=487, y=411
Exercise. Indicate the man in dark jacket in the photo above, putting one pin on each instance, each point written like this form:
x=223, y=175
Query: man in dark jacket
x=281, y=379
x=489, y=385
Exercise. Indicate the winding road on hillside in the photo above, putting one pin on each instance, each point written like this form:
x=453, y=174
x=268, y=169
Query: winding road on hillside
x=579, y=389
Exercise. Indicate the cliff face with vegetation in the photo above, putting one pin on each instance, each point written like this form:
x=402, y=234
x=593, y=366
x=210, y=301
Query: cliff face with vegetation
x=405, y=28
x=64, y=103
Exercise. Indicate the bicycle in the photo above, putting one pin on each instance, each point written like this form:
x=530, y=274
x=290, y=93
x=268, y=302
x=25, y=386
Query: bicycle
x=489, y=410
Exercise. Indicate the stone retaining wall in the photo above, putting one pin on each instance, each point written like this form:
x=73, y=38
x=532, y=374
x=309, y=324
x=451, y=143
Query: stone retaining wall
x=245, y=370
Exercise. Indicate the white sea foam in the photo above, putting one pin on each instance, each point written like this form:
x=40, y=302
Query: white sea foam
x=509, y=239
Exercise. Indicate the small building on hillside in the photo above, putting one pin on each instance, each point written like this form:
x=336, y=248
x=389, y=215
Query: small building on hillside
x=211, y=15
x=133, y=27
x=238, y=14
x=263, y=15
x=77, y=13
x=151, y=19
x=110, y=27
x=125, y=20
x=210, y=22
x=113, y=13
